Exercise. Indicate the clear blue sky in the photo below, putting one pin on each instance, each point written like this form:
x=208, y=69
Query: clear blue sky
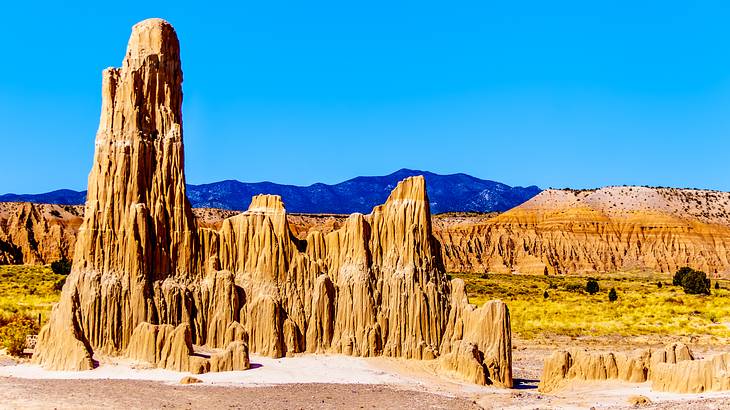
x=571, y=93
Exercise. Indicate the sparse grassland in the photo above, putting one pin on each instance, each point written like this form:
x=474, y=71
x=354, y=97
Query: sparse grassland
x=642, y=308
x=28, y=290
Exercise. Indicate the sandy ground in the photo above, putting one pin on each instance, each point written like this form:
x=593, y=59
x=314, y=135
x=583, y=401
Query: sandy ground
x=319, y=381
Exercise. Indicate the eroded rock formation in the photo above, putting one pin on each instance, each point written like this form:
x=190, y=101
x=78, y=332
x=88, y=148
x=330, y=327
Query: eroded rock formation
x=693, y=376
x=37, y=234
x=672, y=368
x=606, y=230
x=477, y=338
x=148, y=282
x=170, y=347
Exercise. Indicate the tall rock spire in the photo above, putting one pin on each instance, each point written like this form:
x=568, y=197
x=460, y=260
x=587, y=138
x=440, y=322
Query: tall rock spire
x=138, y=225
x=136, y=193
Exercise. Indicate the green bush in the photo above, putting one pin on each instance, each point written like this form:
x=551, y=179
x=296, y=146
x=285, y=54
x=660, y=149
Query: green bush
x=696, y=283
x=680, y=274
x=14, y=332
x=612, y=295
x=61, y=267
x=592, y=286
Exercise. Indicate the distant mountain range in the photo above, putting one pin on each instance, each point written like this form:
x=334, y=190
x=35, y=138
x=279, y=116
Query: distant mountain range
x=447, y=193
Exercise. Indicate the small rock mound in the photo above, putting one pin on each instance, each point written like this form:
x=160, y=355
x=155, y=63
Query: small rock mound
x=170, y=347
x=639, y=400
x=190, y=380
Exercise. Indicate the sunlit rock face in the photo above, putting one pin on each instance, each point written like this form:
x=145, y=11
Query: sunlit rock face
x=37, y=234
x=670, y=369
x=149, y=283
x=605, y=230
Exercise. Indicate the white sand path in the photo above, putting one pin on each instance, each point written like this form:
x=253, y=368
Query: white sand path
x=264, y=371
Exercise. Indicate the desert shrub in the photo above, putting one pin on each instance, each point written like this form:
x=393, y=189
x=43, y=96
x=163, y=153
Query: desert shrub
x=592, y=286
x=659, y=284
x=680, y=274
x=61, y=267
x=58, y=285
x=717, y=285
x=574, y=287
x=484, y=275
x=545, y=295
x=14, y=332
x=546, y=271
x=696, y=283
x=612, y=295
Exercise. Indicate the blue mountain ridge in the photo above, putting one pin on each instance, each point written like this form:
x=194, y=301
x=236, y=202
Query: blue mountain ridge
x=447, y=193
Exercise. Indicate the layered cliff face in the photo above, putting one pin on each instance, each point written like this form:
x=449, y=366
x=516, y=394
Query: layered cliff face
x=144, y=270
x=610, y=229
x=37, y=234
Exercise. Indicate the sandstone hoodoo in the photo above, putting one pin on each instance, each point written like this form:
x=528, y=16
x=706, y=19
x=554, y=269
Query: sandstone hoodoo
x=671, y=369
x=147, y=282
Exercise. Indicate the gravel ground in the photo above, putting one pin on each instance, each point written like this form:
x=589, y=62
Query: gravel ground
x=134, y=394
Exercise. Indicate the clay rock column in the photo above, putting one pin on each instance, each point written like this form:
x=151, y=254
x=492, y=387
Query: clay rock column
x=138, y=225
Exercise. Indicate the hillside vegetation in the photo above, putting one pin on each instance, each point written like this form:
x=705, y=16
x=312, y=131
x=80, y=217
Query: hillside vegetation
x=27, y=294
x=560, y=305
x=28, y=290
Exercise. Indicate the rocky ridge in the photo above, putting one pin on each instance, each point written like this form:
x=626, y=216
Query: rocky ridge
x=604, y=230
x=149, y=281
x=37, y=234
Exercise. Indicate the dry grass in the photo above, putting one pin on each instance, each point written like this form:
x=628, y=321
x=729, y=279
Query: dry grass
x=28, y=290
x=642, y=307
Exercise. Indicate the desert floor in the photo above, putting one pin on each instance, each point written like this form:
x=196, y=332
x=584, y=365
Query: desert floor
x=320, y=381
